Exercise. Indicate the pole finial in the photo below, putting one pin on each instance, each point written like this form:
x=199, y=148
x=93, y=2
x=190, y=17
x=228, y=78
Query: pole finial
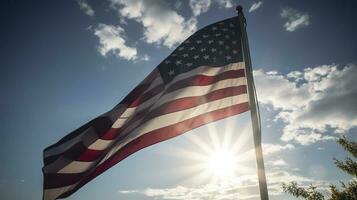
x=239, y=9
x=240, y=13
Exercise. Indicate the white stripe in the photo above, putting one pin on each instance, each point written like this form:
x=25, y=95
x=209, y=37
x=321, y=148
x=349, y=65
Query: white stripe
x=192, y=91
x=100, y=144
x=156, y=82
x=52, y=194
x=208, y=71
x=130, y=111
x=200, y=90
x=63, y=147
x=189, y=92
x=173, y=118
x=119, y=122
x=203, y=70
x=55, y=166
x=76, y=167
x=154, y=123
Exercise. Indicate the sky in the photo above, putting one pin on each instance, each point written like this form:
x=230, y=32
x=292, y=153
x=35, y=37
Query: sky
x=64, y=63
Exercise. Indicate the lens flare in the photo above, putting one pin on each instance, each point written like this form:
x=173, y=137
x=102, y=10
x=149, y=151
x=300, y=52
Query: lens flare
x=221, y=163
x=217, y=153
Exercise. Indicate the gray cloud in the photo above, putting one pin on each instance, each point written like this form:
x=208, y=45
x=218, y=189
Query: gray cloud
x=336, y=101
x=85, y=7
x=255, y=6
x=295, y=19
x=225, y=3
x=200, y=6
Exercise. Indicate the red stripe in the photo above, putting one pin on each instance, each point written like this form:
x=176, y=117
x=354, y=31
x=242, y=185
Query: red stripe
x=111, y=134
x=202, y=80
x=190, y=102
x=60, y=180
x=90, y=155
x=142, y=87
x=169, y=107
x=177, y=105
x=147, y=95
x=159, y=135
x=197, y=80
x=72, y=153
x=100, y=125
x=182, y=104
x=136, y=93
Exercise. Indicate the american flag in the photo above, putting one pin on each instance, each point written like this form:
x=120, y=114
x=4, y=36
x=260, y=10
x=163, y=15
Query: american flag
x=202, y=81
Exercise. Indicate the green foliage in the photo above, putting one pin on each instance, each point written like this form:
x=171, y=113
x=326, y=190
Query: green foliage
x=349, y=146
x=309, y=193
x=347, y=192
x=348, y=166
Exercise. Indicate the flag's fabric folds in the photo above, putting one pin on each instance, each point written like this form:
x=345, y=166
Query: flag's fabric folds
x=202, y=81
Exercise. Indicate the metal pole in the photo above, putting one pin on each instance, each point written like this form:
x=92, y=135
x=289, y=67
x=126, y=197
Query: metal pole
x=254, y=109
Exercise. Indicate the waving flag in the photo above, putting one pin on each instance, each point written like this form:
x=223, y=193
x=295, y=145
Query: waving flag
x=202, y=81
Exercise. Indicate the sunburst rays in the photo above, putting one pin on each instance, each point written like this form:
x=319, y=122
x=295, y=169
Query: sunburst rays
x=225, y=151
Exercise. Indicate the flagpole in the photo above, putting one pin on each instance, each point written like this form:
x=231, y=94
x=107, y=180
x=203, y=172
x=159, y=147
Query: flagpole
x=254, y=109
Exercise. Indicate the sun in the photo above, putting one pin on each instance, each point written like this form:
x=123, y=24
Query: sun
x=221, y=163
x=217, y=154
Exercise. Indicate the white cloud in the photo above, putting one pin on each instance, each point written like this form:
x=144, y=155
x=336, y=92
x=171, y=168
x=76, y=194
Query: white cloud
x=274, y=148
x=199, y=6
x=324, y=98
x=225, y=3
x=128, y=191
x=295, y=19
x=145, y=57
x=295, y=75
x=162, y=25
x=244, y=187
x=277, y=163
x=112, y=40
x=85, y=7
x=274, y=88
x=178, y=5
x=255, y=6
